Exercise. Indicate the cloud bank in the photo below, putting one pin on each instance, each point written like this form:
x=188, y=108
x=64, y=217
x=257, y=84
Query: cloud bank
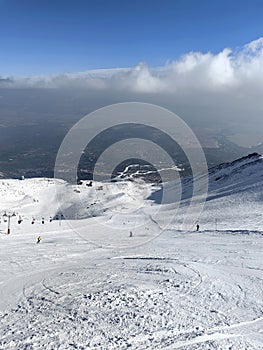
x=216, y=90
x=227, y=69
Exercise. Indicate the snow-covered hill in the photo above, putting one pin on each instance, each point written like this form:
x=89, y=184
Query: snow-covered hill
x=41, y=197
x=240, y=174
x=236, y=194
x=234, y=199
x=234, y=184
x=182, y=290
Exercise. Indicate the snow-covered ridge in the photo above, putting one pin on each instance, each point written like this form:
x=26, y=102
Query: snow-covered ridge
x=234, y=184
x=251, y=164
x=242, y=175
x=43, y=197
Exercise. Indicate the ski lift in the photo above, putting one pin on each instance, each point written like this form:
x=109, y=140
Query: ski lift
x=7, y=218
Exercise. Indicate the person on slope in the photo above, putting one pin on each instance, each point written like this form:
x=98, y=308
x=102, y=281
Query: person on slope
x=39, y=239
x=197, y=227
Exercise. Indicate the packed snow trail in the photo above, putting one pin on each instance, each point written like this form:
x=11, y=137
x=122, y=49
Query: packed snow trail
x=198, y=291
x=89, y=285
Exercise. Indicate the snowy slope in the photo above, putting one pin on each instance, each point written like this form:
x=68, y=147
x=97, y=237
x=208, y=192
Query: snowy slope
x=237, y=176
x=234, y=200
x=233, y=187
x=47, y=198
x=88, y=285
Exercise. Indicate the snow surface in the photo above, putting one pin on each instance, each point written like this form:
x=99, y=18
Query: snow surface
x=89, y=285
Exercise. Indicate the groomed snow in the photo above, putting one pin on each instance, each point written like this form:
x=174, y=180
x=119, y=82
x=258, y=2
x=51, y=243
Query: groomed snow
x=88, y=285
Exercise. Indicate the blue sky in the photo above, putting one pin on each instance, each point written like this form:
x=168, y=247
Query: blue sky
x=52, y=37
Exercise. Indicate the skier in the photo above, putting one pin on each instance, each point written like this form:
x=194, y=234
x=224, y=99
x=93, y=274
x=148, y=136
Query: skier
x=197, y=227
x=130, y=233
x=43, y=220
x=39, y=239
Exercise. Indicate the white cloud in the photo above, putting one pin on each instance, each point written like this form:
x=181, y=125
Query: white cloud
x=224, y=88
x=195, y=70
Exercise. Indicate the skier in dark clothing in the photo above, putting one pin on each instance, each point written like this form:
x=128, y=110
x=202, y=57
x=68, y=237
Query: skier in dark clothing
x=197, y=227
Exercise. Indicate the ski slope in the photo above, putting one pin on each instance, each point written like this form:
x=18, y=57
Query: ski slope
x=89, y=285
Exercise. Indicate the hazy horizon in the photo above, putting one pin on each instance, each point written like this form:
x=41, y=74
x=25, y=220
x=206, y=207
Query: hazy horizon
x=61, y=61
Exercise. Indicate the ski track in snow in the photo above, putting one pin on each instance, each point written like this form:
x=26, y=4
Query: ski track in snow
x=183, y=290
x=137, y=300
